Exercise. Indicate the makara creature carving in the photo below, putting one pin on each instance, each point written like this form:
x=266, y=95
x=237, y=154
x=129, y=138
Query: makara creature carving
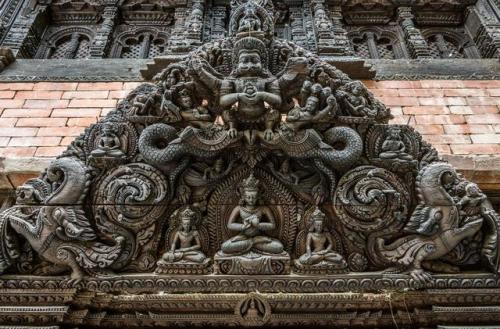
x=250, y=156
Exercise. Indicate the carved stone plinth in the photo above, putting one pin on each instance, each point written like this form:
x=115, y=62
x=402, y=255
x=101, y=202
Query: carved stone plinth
x=320, y=268
x=252, y=263
x=184, y=267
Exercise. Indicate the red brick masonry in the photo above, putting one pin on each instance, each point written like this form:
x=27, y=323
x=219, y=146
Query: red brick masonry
x=38, y=120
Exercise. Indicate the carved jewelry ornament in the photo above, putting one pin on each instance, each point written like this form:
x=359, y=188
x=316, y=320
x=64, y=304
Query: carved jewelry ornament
x=250, y=165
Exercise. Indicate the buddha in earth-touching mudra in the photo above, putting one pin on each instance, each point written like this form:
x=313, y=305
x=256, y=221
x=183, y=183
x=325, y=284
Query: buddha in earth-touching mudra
x=251, y=221
x=319, y=244
x=186, y=245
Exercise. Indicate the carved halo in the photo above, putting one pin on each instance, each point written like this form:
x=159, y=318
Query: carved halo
x=253, y=310
x=125, y=131
x=376, y=136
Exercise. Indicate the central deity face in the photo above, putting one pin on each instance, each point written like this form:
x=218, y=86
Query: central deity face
x=318, y=226
x=250, y=197
x=186, y=223
x=249, y=64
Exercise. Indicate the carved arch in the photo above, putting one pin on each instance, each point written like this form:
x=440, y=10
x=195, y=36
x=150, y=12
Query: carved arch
x=450, y=43
x=141, y=42
x=377, y=43
x=71, y=42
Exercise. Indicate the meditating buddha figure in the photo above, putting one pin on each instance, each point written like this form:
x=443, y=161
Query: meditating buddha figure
x=186, y=245
x=251, y=221
x=109, y=144
x=319, y=243
x=393, y=147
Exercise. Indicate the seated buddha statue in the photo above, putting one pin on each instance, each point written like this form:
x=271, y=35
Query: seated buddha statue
x=319, y=244
x=251, y=221
x=393, y=147
x=109, y=144
x=186, y=246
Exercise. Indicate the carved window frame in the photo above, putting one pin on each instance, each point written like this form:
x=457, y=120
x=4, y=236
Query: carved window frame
x=119, y=43
x=457, y=37
x=360, y=32
x=54, y=35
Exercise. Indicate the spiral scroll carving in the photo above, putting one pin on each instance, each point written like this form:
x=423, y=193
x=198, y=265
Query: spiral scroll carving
x=133, y=195
x=371, y=199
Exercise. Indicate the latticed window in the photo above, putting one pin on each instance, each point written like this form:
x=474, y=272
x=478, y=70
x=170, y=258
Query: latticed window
x=75, y=45
x=385, y=49
x=360, y=47
x=441, y=47
x=146, y=45
x=371, y=46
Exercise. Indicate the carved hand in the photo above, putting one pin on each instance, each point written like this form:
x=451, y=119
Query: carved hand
x=268, y=135
x=232, y=133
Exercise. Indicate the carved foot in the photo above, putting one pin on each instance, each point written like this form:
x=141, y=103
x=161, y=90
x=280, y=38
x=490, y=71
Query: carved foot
x=421, y=277
x=73, y=282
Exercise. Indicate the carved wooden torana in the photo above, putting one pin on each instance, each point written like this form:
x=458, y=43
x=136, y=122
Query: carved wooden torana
x=249, y=184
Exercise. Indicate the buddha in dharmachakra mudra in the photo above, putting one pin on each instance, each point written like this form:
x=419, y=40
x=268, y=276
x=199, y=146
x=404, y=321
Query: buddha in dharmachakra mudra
x=251, y=221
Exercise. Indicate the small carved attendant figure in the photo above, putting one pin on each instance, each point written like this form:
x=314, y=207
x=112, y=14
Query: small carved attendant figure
x=471, y=202
x=109, y=144
x=197, y=116
x=250, y=22
x=356, y=101
x=393, y=147
x=251, y=221
x=319, y=244
x=186, y=245
x=215, y=171
x=285, y=172
x=195, y=20
x=310, y=113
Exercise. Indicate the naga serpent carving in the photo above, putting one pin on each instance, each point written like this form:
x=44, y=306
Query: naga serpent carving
x=159, y=144
x=312, y=146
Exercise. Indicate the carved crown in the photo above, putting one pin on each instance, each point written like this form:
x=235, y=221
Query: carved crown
x=250, y=184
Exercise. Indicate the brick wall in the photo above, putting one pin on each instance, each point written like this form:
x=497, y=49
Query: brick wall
x=460, y=118
x=41, y=119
